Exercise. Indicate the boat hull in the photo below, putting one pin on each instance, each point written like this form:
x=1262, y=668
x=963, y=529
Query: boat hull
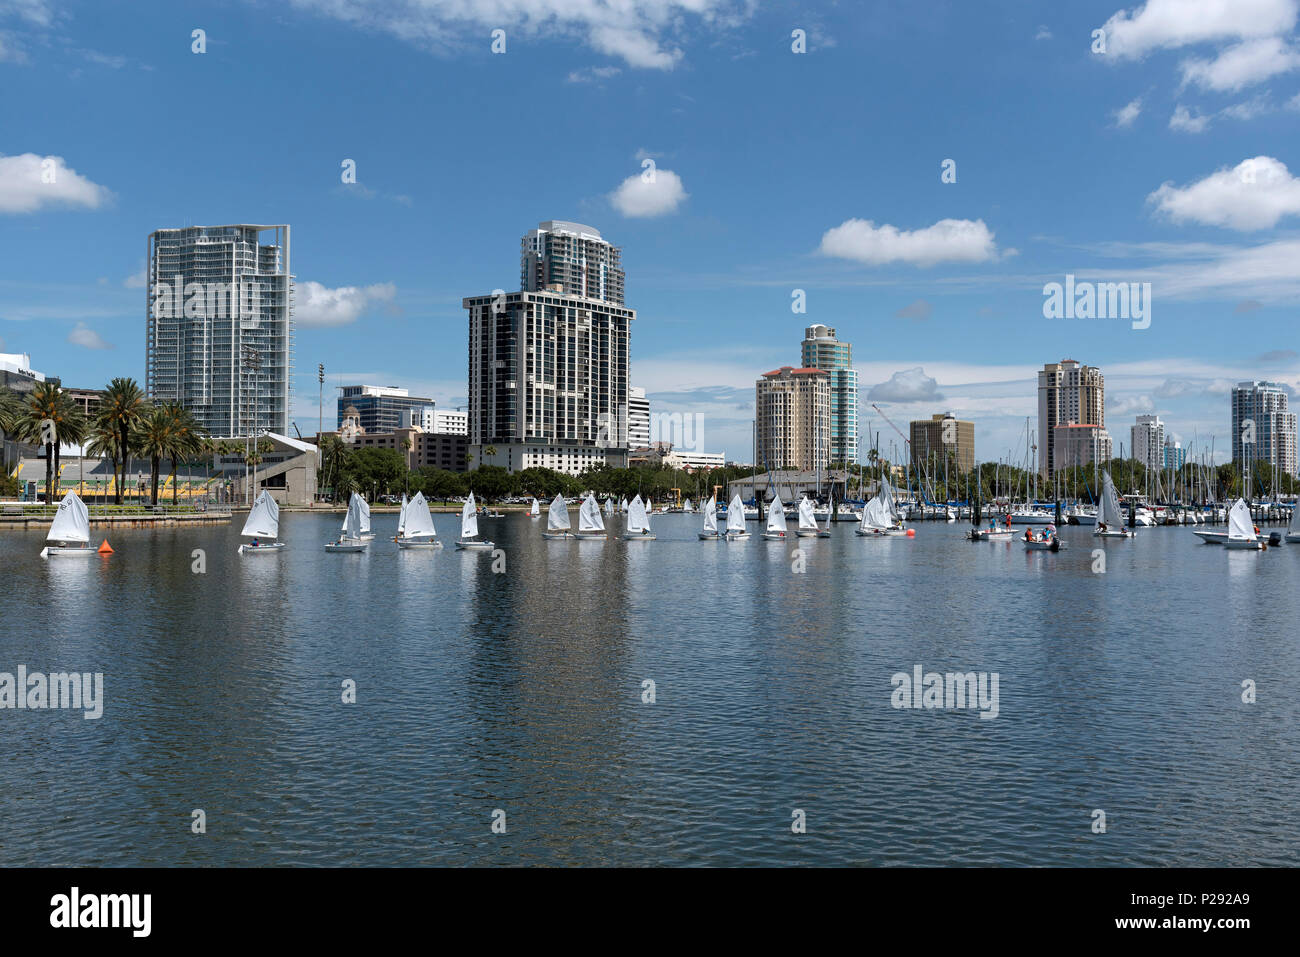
x=345, y=546
x=774, y=536
x=1244, y=544
x=471, y=545
x=67, y=551
x=557, y=535
x=259, y=549
x=737, y=536
x=1056, y=545
x=638, y=536
x=1112, y=533
x=807, y=533
x=1293, y=537
x=1212, y=538
x=419, y=543
x=591, y=536
x=709, y=536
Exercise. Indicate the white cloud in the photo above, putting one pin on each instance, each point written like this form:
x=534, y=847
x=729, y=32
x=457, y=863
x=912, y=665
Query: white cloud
x=1169, y=24
x=910, y=385
x=594, y=74
x=24, y=187
x=1184, y=121
x=949, y=240
x=317, y=305
x=1293, y=103
x=137, y=280
x=1242, y=65
x=919, y=309
x=86, y=337
x=1255, y=194
x=642, y=33
x=38, y=13
x=1043, y=34
x=643, y=195
x=1126, y=114
x=10, y=52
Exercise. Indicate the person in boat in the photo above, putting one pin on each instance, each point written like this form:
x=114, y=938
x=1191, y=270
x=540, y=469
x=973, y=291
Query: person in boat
x=255, y=543
x=1101, y=526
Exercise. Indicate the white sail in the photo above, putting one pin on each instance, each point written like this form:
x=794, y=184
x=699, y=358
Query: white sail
x=264, y=519
x=71, y=522
x=418, y=520
x=609, y=506
x=876, y=515
x=807, y=519
x=1294, y=527
x=736, y=514
x=687, y=506
x=637, y=519
x=557, y=519
x=775, y=515
x=1108, y=508
x=622, y=505
x=1240, y=525
x=469, y=519
x=401, y=517
x=886, y=497
x=352, y=522
x=589, y=519
x=363, y=521
x=711, y=514
x=535, y=509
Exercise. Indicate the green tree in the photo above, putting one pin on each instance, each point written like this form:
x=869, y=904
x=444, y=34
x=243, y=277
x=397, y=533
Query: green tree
x=122, y=407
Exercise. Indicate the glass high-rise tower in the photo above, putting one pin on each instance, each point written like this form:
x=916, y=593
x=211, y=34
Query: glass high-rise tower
x=219, y=326
x=821, y=350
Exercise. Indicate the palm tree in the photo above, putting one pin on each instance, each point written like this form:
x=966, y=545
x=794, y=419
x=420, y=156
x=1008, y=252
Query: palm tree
x=150, y=438
x=186, y=438
x=48, y=406
x=123, y=406
x=104, y=442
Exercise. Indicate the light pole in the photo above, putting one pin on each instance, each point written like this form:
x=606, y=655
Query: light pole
x=251, y=361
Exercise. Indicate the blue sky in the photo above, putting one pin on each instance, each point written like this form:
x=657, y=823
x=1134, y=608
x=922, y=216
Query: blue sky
x=1170, y=158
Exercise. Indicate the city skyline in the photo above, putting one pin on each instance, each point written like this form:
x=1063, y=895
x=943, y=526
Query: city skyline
x=938, y=284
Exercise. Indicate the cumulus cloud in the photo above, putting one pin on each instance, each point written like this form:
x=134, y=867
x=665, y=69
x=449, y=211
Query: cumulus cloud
x=29, y=182
x=920, y=309
x=1170, y=24
x=1043, y=33
x=593, y=74
x=1255, y=194
x=1241, y=65
x=910, y=385
x=949, y=240
x=1126, y=114
x=655, y=192
x=320, y=306
x=642, y=33
x=87, y=338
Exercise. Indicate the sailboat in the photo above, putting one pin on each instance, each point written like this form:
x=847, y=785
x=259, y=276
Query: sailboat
x=687, y=506
x=1293, y=530
x=417, y=529
x=350, y=540
x=1110, y=520
x=808, y=527
x=710, y=531
x=880, y=516
x=591, y=526
x=638, y=522
x=363, y=523
x=609, y=507
x=775, y=520
x=736, y=530
x=557, y=519
x=469, y=527
x=401, y=520
x=623, y=506
x=70, y=531
x=263, y=522
x=1241, y=529
x=535, y=510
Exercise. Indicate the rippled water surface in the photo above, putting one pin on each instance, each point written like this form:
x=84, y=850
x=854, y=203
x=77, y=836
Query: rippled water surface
x=522, y=691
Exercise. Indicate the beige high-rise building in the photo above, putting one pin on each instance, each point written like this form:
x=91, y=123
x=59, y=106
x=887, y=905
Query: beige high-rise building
x=792, y=408
x=940, y=435
x=1068, y=394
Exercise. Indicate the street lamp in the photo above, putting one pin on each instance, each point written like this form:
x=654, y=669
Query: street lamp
x=251, y=363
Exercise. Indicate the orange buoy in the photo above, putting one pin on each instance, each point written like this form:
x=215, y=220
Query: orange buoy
x=911, y=533
x=105, y=548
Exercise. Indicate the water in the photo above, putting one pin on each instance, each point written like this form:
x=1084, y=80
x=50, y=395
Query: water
x=522, y=691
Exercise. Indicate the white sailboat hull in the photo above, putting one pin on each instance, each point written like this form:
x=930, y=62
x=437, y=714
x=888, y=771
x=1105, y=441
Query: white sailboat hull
x=557, y=534
x=1055, y=545
x=1249, y=544
x=346, y=546
x=709, y=536
x=737, y=536
x=66, y=551
x=1212, y=538
x=807, y=532
x=418, y=543
x=1112, y=533
x=463, y=543
x=881, y=532
x=595, y=535
x=259, y=549
x=774, y=536
x=1293, y=537
x=638, y=536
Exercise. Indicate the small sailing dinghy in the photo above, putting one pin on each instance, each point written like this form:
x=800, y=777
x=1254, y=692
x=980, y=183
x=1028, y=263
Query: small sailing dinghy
x=401, y=519
x=609, y=507
x=775, y=520
x=710, y=531
x=263, y=522
x=1293, y=530
x=736, y=530
x=880, y=516
x=1110, y=519
x=808, y=527
x=591, y=527
x=622, y=506
x=363, y=526
x=350, y=540
x=70, y=531
x=535, y=510
x=1241, y=529
x=557, y=519
x=687, y=507
x=638, y=523
x=417, y=529
x=469, y=527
